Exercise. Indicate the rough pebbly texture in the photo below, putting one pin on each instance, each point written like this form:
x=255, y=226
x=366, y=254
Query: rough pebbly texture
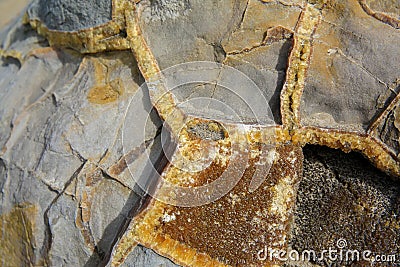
x=328, y=70
x=67, y=15
x=343, y=197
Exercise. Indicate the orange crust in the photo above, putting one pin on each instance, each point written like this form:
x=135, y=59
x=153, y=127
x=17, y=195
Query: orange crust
x=385, y=18
x=372, y=148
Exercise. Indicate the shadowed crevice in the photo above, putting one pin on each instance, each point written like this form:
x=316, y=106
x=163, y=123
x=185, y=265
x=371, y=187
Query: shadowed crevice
x=281, y=67
x=136, y=202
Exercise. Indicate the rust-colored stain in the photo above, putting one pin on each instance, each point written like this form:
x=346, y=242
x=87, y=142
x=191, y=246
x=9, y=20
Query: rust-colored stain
x=17, y=235
x=232, y=229
x=103, y=94
x=105, y=90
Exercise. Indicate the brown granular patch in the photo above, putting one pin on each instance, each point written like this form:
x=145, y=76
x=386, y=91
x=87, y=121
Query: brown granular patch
x=233, y=229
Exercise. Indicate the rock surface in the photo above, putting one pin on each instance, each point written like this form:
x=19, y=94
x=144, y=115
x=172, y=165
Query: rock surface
x=71, y=15
x=78, y=131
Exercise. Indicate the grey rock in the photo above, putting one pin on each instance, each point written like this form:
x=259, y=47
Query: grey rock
x=67, y=15
x=142, y=256
x=186, y=36
x=347, y=79
x=58, y=146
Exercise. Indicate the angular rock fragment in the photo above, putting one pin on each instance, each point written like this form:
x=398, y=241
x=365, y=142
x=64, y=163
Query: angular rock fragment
x=388, y=129
x=346, y=76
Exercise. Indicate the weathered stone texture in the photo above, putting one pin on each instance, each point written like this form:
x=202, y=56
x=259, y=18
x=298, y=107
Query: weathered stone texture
x=78, y=132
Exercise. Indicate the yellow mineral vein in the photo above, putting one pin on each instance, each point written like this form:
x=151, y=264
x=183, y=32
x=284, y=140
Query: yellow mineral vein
x=162, y=98
x=106, y=37
x=297, y=68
